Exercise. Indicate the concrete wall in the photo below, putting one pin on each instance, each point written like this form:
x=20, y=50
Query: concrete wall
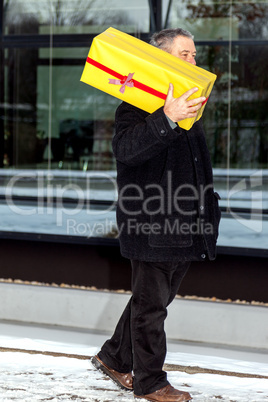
x=229, y=324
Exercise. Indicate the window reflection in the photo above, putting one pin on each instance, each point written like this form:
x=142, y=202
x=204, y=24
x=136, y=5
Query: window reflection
x=52, y=116
x=216, y=19
x=52, y=122
x=236, y=120
x=75, y=16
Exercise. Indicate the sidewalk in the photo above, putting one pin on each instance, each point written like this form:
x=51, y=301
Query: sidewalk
x=45, y=363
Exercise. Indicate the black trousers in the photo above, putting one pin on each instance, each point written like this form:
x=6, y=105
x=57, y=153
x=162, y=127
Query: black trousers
x=139, y=340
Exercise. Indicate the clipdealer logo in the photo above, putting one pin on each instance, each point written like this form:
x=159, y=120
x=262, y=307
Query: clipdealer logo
x=249, y=190
x=50, y=197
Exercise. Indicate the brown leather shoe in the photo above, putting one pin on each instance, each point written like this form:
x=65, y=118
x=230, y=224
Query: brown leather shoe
x=167, y=394
x=123, y=380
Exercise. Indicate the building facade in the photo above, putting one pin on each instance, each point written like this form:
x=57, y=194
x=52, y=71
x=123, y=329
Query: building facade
x=57, y=169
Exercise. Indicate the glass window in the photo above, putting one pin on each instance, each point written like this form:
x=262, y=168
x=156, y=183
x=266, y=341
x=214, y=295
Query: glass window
x=75, y=16
x=56, y=131
x=52, y=120
x=236, y=120
x=221, y=20
x=76, y=122
x=232, y=42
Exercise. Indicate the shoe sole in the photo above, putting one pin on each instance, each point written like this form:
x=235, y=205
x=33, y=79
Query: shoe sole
x=97, y=364
x=138, y=398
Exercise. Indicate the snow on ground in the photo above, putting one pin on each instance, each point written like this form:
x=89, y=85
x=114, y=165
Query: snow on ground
x=62, y=372
x=27, y=377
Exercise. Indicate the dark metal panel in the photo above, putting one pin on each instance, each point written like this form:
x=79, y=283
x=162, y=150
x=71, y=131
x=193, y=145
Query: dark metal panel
x=84, y=40
x=102, y=266
x=1, y=87
x=155, y=15
x=59, y=40
x=107, y=241
x=167, y=14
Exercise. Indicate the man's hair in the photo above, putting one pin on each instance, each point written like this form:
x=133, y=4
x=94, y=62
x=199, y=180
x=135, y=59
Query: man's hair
x=165, y=38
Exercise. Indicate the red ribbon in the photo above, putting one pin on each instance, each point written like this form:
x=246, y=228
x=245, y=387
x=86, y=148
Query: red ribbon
x=123, y=78
x=128, y=80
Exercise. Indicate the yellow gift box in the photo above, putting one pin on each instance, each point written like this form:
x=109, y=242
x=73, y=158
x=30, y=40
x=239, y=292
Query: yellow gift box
x=139, y=73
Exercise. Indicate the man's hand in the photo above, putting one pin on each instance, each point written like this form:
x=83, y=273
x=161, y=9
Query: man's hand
x=180, y=108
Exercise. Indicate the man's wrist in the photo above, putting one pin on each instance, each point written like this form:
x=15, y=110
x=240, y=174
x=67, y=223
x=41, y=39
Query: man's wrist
x=171, y=122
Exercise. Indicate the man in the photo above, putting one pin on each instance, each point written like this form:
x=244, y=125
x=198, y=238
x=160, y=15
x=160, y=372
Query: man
x=167, y=216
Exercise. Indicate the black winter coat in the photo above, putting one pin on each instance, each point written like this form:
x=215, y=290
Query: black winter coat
x=167, y=209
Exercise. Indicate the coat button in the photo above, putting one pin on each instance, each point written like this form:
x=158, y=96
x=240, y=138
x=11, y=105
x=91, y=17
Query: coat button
x=201, y=207
x=203, y=256
x=195, y=159
x=163, y=132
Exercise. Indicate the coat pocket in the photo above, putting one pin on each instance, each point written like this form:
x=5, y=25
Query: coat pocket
x=171, y=231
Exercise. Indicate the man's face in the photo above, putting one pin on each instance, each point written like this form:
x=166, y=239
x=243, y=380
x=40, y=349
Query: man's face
x=184, y=49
